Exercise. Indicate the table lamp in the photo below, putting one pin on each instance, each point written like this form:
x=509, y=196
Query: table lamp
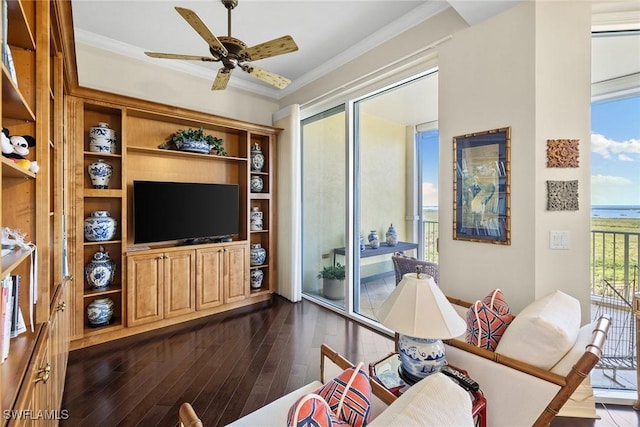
x=419, y=311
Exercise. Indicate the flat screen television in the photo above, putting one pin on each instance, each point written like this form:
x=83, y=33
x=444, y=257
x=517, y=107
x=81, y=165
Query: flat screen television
x=185, y=211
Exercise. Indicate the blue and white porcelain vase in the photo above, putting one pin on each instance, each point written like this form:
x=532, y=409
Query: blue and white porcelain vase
x=420, y=357
x=256, y=219
x=99, y=227
x=392, y=236
x=100, y=173
x=100, y=271
x=100, y=312
x=361, y=243
x=258, y=254
x=256, y=184
x=257, y=158
x=374, y=241
x=102, y=139
x=256, y=278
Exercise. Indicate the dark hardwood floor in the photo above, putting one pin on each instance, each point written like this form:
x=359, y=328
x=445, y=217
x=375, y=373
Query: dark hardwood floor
x=227, y=366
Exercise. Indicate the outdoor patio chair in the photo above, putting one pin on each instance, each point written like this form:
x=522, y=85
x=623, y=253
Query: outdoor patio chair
x=403, y=264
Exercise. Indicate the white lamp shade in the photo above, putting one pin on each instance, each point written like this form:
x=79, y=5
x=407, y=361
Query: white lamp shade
x=418, y=308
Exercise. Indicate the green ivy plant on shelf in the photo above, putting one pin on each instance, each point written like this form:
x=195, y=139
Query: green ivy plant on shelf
x=196, y=141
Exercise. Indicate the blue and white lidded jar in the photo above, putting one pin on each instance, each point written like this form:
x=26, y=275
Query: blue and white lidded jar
x=374, y=241
x=102, y=139
x=256, y=184
x=256, y=278
x=258, y=254
x=392, y=236
x=256, y=219
x=100, y=173
x=362, y=247
x=100, y=312
x=257, y=158
x=99, y=227
x=100, y=271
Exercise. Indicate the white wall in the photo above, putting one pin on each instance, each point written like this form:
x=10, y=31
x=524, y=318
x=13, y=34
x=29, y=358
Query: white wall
x=528, y=68
x=123, y=75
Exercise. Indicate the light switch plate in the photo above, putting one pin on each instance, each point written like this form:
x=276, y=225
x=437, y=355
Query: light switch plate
x=559, y=240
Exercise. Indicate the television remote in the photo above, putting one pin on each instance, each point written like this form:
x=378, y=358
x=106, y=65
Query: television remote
x=464, y=381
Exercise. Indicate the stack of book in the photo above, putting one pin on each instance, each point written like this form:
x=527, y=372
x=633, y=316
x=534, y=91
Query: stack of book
x=11, y=319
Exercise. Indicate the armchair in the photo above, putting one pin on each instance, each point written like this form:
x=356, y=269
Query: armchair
x=404, y=264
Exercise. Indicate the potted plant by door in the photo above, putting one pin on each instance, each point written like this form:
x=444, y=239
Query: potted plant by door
x=196, y=141
x=333, y=281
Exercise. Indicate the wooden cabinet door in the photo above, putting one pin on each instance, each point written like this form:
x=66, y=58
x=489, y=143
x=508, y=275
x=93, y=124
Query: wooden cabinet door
x=210, y=268
x=236, y=273
x=35, y=395
x=179, y=283
x=144, y=288
x=59, y=342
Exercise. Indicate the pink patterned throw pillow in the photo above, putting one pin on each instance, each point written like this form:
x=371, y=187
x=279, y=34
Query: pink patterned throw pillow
x=312, y=410
x=354, y=389
x=487, y=320
x=346, y=401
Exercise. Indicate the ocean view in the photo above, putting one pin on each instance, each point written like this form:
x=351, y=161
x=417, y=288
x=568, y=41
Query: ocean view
x=615, y=211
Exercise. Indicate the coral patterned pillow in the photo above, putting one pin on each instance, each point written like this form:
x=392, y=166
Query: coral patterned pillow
x=312, y=410
x=487, y=320
x=353, y=388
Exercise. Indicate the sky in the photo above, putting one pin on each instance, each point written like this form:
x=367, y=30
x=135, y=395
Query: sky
x=615, y=155
x=615, y=152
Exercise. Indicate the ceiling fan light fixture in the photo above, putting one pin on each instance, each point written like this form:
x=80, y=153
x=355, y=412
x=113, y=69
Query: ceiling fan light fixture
x=233, y=52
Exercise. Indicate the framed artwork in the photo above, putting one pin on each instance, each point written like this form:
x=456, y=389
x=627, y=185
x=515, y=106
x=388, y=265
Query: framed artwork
x=481, y=187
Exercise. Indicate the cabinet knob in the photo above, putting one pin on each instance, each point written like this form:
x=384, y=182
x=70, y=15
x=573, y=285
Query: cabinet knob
x=61, y=306
x=43, y=374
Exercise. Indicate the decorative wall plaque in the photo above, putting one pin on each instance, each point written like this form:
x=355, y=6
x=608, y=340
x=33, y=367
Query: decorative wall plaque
x=562, y=195
x=563, y=153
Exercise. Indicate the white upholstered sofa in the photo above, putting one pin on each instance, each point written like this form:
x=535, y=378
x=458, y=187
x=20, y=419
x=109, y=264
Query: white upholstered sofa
x=436, y=401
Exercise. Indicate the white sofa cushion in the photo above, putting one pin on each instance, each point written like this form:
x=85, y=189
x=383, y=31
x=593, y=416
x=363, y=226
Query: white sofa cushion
x=544, y=331
x=563, y=367
x=434, y=401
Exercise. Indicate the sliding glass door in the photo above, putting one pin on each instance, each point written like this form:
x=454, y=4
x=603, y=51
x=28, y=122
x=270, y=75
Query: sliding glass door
x=324, y=206
x=361, y=182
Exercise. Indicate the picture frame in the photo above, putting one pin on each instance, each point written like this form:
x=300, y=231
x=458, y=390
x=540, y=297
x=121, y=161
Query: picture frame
x=482, y=186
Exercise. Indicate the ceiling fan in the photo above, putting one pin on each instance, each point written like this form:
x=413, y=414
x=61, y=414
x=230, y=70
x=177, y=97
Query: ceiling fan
x=232, y=52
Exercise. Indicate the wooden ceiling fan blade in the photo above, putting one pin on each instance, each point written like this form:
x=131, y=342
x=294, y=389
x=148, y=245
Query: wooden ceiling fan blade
x=268, y=77
x=196, y=23
x=279, y=46
x=179, y=56
x=222, y=78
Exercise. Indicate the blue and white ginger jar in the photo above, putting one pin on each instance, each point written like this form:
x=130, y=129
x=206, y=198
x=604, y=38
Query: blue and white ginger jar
x=256, y=278
x=258, y=254
x=257, y=158
x=100, y=271
x=392, y=236
x=100, y=173
x=256, y=184
x=374, y=241
x=99, y=227
x=102, y=139
x=100, y=312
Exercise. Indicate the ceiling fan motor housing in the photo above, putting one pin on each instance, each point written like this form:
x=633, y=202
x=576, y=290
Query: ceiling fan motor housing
x=229, y=4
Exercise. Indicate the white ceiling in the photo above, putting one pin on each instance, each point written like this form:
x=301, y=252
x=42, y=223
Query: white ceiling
x=329, y=34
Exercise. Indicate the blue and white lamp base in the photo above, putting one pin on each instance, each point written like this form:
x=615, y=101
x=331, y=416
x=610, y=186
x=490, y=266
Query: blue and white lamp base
x=420, y=357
